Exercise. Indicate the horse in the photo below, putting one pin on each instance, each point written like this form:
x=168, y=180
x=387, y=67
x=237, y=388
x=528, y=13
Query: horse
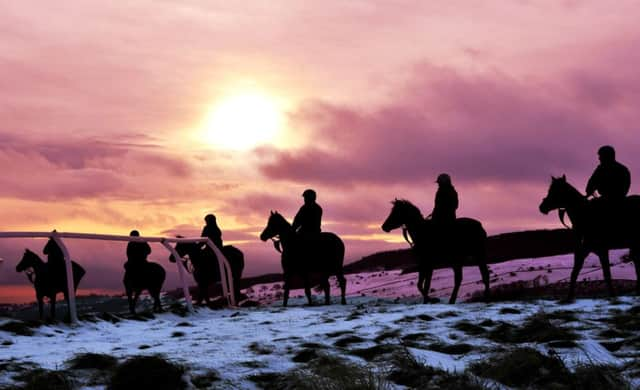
x=206, y=270
x=467, y=245
x=149, y=276
x=48, y=281
x=322, y=255
x=594, y=230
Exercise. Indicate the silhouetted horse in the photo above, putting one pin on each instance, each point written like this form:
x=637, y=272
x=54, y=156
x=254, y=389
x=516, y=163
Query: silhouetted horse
x=205, y=266
x=149, y=277
x=595, y=231
x=465, y=246
x=322, y=256
x=48, y=282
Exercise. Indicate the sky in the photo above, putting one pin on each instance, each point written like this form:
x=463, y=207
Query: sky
x=149, y=115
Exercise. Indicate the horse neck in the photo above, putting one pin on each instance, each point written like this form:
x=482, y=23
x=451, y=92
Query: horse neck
x=576, y=205
x=413, y=222
x=287, y=235
x=38, y=264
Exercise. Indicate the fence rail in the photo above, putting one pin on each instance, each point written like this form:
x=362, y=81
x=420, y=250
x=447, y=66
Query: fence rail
x=225, y=269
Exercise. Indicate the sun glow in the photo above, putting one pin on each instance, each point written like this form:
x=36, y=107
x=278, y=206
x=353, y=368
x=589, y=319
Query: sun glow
x=243, y=121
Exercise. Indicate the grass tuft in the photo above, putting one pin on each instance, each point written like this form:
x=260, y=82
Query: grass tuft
x=148, y=372
x=348, y=340
x=205, y=380
x=451, y=349
x=38, y=379
x=17, y=327
x=524, y=367
x=469, y=328
x=537, y=328
x=96, y=361
x=375, y=352
x=509, y=310
x=260, y=349
x=407, y=371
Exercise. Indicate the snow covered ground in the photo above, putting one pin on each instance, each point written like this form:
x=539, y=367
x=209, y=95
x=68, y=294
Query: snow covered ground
x=383, y=309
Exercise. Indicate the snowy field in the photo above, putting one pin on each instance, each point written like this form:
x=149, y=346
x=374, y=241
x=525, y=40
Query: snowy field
x=252, y=347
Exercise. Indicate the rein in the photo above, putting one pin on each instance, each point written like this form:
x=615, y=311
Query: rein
x=30, y=275
x=561, y=214
x=405, y=234
x=277, y=244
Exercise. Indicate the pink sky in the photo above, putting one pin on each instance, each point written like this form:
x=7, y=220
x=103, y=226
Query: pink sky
x=102, y=104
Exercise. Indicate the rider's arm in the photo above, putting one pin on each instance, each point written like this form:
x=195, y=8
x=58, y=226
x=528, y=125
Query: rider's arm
x=593, y=182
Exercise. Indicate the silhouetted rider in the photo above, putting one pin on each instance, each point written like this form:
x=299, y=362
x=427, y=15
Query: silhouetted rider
x=212, y=231
x=309, y=218
x=446, y=203
x=137, y=253
x=611, y=179
x=55, y=258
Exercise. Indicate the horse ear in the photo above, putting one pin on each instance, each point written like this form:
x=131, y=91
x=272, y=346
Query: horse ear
x=271, y=212
x=564, y=177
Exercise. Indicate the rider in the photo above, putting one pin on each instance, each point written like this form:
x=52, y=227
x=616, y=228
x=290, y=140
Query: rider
x=446, y=203
x=55, y=258
x=308, y=219
x=611, y=179
x=137, y=252
x=212, y=231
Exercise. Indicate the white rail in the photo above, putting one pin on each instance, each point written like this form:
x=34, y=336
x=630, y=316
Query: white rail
x=226, y=277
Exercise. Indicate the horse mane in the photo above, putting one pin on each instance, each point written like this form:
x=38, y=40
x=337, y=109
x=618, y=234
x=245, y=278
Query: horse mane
x=403, y=203
x=563, y=179
x=281, y=217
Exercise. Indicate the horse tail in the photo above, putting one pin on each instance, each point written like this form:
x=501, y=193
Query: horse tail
x=78, y=273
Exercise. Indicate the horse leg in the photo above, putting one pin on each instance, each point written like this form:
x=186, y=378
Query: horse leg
x=327, y=291
x=307, y=288
x=606, y=270
x=157, y=306
x=287, y=288
x=132, y=305
x=426, y=284
x=40, y=300
x=136, y=295
x=52, y=304
x=486, y=277
x=578, y=262
x=343, y=288
x=457, y=280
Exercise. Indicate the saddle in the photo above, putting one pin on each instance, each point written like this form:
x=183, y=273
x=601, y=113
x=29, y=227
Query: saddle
x=614, y=215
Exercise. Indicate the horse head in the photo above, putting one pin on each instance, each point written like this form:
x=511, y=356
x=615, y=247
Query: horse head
x=276, y=225
x=403, y=212
x=560, y=195
x=29, y=260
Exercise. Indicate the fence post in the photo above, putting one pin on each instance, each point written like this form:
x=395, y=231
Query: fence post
x=226, y=276
x=71, y=292
x=185, y=288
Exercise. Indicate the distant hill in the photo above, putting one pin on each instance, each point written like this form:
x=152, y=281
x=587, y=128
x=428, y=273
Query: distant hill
x=527, y=244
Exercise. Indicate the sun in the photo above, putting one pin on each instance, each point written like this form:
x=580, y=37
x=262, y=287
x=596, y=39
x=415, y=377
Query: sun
x=243, y=121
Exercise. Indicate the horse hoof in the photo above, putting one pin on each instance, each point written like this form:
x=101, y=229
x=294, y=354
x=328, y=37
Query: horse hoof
x=567, y=300
x=343, y=302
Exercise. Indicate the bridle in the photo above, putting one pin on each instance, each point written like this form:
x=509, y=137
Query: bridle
x=405, y=234
x=277, y=243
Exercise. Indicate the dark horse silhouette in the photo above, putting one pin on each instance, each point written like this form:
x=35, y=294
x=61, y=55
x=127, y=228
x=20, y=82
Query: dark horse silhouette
x=594, y=230
x=48, y=282
x=206, y=270
x=149, y=277
x=322, y=256
x=466, y=246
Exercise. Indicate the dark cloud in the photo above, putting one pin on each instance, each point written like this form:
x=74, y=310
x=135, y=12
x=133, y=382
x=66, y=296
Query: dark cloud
x=478, y=127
